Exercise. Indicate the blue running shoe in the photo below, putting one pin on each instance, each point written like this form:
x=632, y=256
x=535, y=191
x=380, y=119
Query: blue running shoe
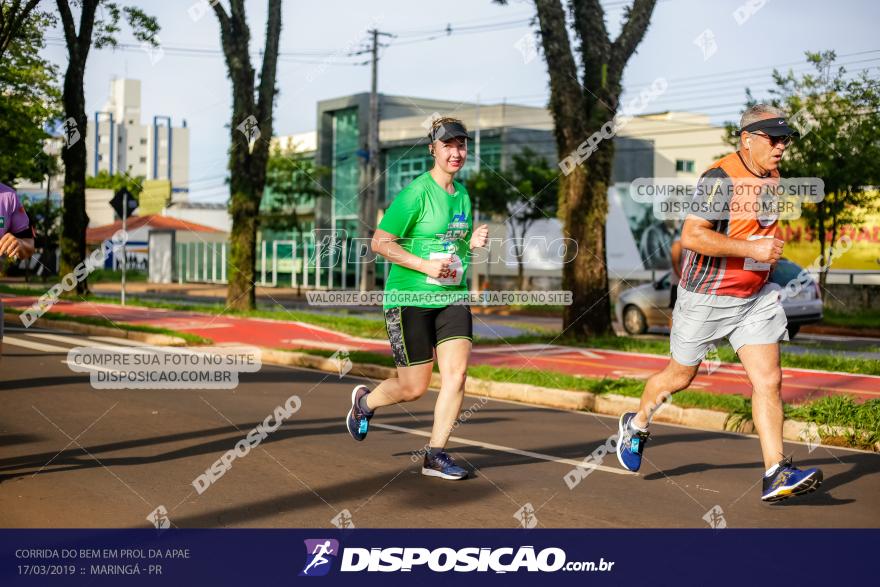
x=442, y=465
x=358, y=421
x=630, y=443
x=789, y=481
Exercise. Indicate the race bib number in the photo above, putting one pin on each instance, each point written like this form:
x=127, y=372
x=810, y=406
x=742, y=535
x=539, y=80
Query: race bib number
x=750, y=264
x=451, y=275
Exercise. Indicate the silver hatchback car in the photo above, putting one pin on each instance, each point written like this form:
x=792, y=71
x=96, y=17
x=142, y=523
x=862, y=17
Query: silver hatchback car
x=647, y=305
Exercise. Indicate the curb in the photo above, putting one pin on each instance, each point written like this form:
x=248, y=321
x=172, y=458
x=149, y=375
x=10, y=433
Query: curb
x=606, y=403
x=93, y=330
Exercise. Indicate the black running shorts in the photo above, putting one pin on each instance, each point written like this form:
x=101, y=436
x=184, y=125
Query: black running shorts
x=414, y=332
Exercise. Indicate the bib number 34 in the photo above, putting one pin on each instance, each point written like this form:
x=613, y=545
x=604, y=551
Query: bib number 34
x=451, y=275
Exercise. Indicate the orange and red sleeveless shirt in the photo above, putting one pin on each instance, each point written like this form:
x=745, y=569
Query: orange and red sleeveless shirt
x=728, y=195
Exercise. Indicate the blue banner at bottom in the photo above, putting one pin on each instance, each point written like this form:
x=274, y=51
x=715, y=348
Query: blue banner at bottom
x=218, y=557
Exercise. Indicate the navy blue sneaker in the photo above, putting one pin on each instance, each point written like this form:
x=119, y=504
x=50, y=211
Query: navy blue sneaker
x=442, y=465
x=789, y=481
x=358, y=421
x=630, y=443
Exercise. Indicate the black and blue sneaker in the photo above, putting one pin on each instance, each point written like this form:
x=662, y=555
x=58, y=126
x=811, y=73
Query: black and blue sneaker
x=442, y=465
x=789, y=481
x=630, y=443
x=358, y=421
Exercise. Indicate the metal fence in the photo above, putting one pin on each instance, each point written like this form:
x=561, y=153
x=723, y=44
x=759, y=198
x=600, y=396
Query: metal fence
x=279, y=263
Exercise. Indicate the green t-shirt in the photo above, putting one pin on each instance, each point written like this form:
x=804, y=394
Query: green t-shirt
x=428, y=221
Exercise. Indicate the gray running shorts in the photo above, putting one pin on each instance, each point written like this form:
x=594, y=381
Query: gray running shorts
x=701, y=320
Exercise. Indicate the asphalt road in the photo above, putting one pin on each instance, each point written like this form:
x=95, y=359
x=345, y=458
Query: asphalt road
x=74, y=456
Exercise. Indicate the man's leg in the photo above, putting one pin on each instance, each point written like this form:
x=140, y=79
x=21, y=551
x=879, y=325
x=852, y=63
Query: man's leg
x=761, y=362
x=633, y=427
x=673, y=378
x=452, y=358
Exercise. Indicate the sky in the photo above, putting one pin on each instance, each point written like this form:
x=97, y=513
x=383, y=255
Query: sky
x=708, y=51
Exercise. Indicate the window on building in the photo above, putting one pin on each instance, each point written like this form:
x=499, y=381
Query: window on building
x=407, y=163
x=143, y=159
x=684, y=165
x=404, y=165
x=143, y=141
x=346, y=163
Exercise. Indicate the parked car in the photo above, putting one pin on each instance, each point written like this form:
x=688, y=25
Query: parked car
x=647, y=305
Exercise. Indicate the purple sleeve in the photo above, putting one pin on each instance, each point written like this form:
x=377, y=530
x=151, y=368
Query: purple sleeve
x=18, y=221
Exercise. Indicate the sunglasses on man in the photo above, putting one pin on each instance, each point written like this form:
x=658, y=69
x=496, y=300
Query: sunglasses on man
x=785, y=139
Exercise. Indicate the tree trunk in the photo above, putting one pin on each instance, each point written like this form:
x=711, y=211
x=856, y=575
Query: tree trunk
x=586, y=275
x=74, y=219
x=247, y=162
x=241, y=292
x=578, y=111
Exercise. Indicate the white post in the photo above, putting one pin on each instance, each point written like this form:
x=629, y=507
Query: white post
x=293, y=264
x=274, y=263
x=344, y=261
x=317, y=265
x=125, y=238
x=263, y=263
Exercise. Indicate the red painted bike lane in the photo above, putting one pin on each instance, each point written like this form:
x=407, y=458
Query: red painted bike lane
x=798, y=384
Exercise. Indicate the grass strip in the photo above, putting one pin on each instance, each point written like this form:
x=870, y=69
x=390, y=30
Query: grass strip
x=836, y=410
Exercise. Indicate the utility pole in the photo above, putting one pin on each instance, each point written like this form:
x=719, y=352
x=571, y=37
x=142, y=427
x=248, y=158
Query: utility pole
x=369, y=206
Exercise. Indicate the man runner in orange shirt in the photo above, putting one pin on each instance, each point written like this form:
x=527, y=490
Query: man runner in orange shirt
x=730, y=250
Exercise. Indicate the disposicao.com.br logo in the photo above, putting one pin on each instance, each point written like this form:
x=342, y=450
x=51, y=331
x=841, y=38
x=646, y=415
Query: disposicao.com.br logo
x=443, y=559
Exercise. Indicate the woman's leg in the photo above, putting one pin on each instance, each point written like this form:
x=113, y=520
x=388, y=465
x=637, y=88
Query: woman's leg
x=410, y=384
x=453, y=356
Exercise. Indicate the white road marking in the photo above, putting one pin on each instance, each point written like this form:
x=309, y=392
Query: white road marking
x=113, y=344
x=507, y=449
x=34, y=346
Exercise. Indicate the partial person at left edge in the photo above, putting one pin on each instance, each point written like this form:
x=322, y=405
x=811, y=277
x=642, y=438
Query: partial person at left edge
x=16, y=235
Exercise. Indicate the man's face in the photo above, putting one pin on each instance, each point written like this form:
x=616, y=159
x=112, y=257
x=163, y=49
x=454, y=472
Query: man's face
x=765, y=151
x=450, y=155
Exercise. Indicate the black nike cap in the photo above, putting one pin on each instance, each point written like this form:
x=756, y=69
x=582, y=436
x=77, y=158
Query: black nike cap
x=774, y=127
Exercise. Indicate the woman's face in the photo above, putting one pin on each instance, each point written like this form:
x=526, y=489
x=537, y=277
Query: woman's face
x=450, y=155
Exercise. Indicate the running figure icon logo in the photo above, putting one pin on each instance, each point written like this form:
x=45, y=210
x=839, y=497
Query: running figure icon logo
x=319, y=556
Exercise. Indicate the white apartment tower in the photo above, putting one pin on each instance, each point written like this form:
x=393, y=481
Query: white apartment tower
x=118, y=142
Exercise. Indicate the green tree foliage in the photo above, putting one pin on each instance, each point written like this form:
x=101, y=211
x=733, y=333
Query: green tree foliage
x=838, y=116
x=31, y=100
x=294, y=182
x=520, y=195
x=117, y=181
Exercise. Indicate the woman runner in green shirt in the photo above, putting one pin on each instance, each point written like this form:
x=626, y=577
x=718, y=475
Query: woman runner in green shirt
x=427, y=234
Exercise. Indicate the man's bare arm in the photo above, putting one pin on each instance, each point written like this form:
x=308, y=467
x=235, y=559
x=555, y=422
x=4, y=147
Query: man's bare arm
x=699, y=236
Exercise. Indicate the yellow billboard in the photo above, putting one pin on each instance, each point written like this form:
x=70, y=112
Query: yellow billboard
x=862, y=244
x=155, y=196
